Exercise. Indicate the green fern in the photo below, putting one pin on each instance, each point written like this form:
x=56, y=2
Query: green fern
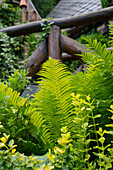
x=97, y=51
x=11, y=97
x=12, y=108
x=10, y=104
x=52, y=104
x=97, y=80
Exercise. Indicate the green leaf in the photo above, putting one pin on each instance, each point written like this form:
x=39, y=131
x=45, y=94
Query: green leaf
x=102, y=139
x=108, y=165
x=8, y=164
x=11, y=142
x=65, y=167
x=85, y=125
x=97, y=116
x=109, y=125
x=1, y=145
x=109, y=132
x=1, y=161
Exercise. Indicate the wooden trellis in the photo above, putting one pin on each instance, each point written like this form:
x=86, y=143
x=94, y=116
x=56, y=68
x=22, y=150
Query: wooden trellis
x=56, y=42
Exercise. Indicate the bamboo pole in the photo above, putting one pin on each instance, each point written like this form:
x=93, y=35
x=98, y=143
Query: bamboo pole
x=100, y=15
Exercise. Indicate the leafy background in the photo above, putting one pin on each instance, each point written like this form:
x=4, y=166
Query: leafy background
x=69, y=118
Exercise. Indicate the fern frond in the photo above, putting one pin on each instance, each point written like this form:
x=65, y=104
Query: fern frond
x=53, y=101
x=111, y=33
x=11, y=97
x=97, y=52
x=98, y=79
x=11, y=104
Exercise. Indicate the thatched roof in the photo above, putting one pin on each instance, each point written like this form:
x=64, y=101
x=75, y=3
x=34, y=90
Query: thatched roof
x=66, y=8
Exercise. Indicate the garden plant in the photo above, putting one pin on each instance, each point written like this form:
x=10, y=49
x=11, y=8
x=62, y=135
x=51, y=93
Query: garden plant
x=68, y=124
x=72, y=113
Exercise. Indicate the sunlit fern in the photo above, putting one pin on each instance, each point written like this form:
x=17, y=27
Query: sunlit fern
x=97, y=80
x=7, y=95
x=52, y=104
x=11, y=104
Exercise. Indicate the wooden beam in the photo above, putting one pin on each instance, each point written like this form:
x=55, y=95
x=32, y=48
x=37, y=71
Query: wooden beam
x=101, y=15
x=16, y=2
x=39, y=55
x=74, y=30
x=72, y=47
x=23, y=7
x=54, y=47
x=36, y=59
x=24, y=14
x=67, y=57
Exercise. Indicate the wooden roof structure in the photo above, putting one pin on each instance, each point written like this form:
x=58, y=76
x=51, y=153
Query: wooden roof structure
x=66, y=8
x=29, y=11
x=33, y=14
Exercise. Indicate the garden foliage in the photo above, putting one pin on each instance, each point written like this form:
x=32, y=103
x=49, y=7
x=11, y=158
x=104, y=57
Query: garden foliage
x=70, y=116
x=11, y=159
x=72, y=113
x=15, y=123
x=82, y=144
x=12, y=50
x=40, y=6
x=106, y=3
